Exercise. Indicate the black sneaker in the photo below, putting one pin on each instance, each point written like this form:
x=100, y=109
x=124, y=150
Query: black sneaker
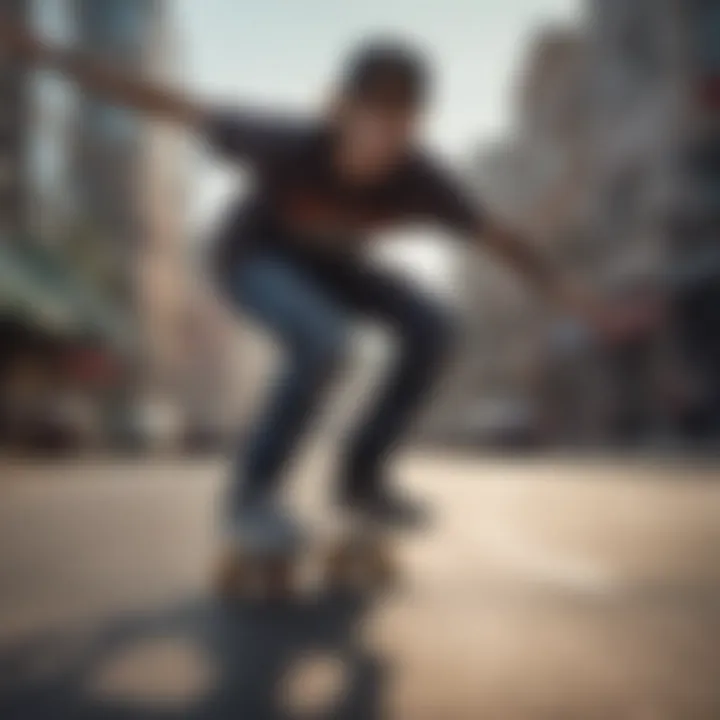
x=387, y=508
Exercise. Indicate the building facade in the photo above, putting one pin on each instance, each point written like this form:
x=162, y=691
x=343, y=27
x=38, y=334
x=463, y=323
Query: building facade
x=14, y=111
x=131, y=183
x=608, y=167
x=93, y=205
x=532, y=178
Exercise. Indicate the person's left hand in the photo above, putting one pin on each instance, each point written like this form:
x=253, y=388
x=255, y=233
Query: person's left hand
x=617, y=323
x=613, y=321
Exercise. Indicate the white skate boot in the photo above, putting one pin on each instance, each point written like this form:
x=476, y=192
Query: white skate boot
x=262, y=544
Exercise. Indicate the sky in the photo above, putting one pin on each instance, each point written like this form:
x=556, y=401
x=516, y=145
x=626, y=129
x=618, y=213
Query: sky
x=284, y=53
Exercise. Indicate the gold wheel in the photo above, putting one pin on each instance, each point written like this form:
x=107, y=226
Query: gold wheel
x=383, y=569
x=230, y=576
x=277, y=577
x=359, y=563
x=242, y=575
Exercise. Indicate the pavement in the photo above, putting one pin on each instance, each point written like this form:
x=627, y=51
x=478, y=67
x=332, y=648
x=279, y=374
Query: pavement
x=547, y=589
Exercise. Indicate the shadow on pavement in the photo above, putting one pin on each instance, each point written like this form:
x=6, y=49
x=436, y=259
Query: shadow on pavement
x=251, y=650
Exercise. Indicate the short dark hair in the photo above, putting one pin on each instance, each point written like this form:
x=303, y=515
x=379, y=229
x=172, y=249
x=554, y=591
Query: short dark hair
x=387, y=71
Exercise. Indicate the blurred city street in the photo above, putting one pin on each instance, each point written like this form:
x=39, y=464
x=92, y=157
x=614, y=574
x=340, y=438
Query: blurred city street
x=547, y=588
x=151, y=151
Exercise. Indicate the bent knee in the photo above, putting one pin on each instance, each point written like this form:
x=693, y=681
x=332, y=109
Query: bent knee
x=322, y=354
x=430, y=331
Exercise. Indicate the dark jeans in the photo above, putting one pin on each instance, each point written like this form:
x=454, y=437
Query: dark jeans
x=309, y=307
x=698, y=318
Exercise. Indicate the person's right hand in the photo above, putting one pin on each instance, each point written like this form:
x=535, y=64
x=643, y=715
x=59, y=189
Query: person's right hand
x=18, y=43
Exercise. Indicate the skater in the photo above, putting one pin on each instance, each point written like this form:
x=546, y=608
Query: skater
x=290, y=255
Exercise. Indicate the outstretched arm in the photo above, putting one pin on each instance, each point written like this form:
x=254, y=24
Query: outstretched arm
x=114, y=85
x=439, y=196
x=611, y=322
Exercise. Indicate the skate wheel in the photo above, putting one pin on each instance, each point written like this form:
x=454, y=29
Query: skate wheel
x=247, y=577
x=366, y=566
x=382, y=566
x=228, y=576
x=278, y=577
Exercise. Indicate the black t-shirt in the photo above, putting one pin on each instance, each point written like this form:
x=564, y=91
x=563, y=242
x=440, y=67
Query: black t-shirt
x=297, y=203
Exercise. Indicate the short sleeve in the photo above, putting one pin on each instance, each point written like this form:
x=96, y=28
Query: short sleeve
x=440, y=197
x=253, y=137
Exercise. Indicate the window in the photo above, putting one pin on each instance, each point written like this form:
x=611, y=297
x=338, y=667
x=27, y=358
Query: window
x=706, y=24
